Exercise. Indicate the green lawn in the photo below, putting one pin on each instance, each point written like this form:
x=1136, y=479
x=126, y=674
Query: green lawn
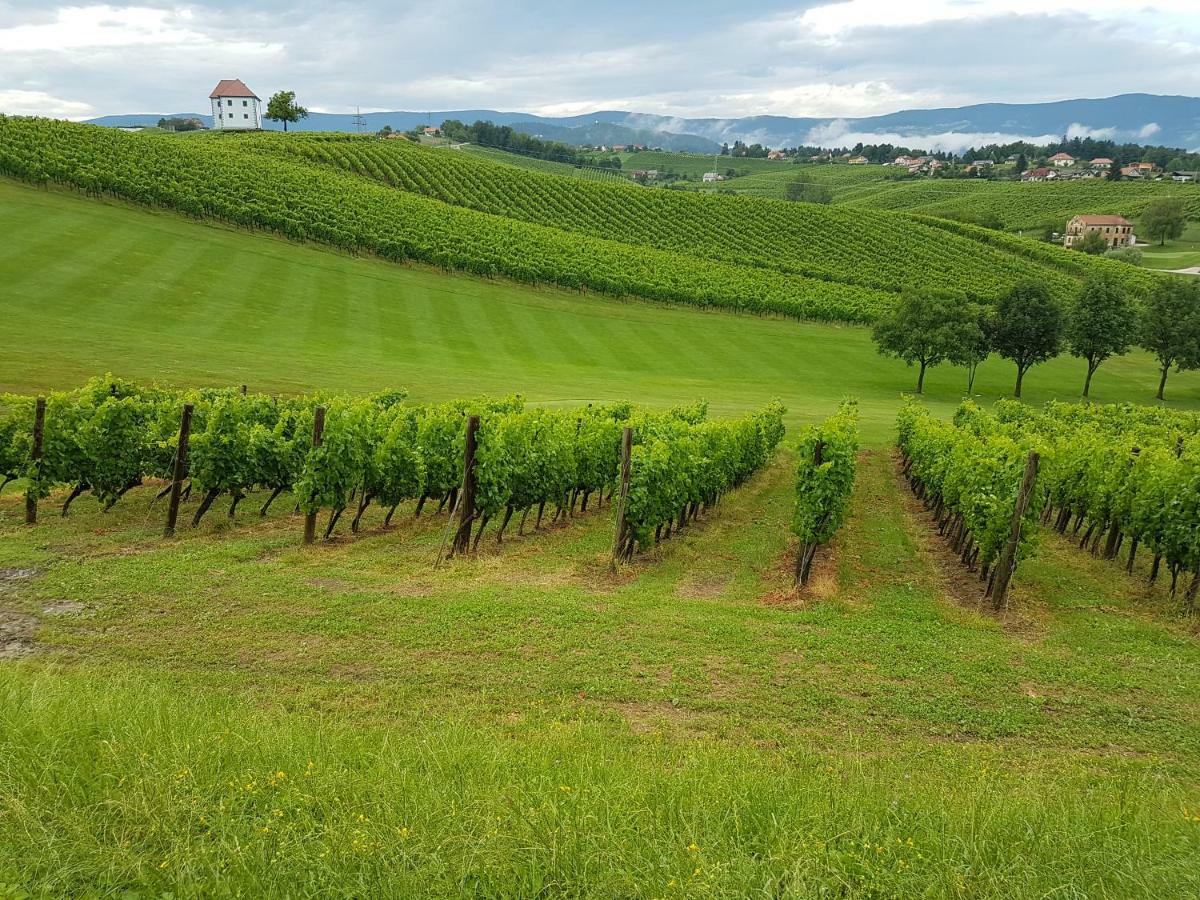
x=1178, y=254
x=93, y=287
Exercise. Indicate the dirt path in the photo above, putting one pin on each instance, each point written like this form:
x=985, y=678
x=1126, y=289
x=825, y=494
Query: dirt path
x=16, y=628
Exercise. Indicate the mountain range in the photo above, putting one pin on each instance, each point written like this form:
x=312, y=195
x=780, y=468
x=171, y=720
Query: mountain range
x=1172, y=121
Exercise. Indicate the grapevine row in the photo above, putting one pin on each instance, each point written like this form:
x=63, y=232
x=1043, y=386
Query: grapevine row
x=828, y=455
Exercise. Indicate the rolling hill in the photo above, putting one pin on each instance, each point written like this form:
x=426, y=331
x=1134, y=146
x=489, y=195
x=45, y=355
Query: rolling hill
x=401, y=201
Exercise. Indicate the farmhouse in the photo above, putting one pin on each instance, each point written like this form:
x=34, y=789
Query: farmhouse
x=1117, y=231
x=776, y=154
x=234, y=106
x=1041, y=174
x=709, y=177
x=431, y=131
x=1062, y=160
x=856, y=160
x=1102, y=161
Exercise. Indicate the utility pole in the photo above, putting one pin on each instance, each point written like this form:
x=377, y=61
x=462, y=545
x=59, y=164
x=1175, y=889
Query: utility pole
x=359, y=121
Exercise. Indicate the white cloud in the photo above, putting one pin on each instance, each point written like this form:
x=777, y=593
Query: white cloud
x=101, y=26
x=831, y=21
x=1149, y=130
x=1076, y=130
x=39, y=103
x=841, y=134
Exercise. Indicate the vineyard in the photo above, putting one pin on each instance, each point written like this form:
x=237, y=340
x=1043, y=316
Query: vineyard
x=806, y=240
x=458, y=212
x=1130, y=474
x=1018, y=206
x=336, y=453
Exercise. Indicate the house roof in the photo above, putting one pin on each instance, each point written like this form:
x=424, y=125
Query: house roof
x=1102, y=220
x=1033, y=173
x=232, y=87
x=1101, y=161
x=1061, y=156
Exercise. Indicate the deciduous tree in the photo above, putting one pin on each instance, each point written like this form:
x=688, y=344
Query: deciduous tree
x=1170, y=327
x=927, y=327
x=1102, y=323
x=1027, y=327
x=1164, y=219
x=282, y=107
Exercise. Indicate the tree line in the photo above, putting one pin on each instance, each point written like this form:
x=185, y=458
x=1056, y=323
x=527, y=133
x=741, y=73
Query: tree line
x=503, y=137
x=1028, y=326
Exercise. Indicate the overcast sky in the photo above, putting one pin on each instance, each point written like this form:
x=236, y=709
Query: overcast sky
x=697, y=58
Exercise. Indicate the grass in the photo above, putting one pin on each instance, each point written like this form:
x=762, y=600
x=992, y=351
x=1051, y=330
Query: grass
x=351, y=720
x=1182, y=253
x=92, y=287
x=230, y=713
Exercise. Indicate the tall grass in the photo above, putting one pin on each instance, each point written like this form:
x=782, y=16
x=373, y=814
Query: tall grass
x=108, y=786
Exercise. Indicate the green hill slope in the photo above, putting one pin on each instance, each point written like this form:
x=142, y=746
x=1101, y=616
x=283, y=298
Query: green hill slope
x=96, y=286
x=878, y=251
x=458, y=212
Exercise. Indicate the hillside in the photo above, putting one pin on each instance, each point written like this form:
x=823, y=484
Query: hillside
x=459, y=211
x=171, y=299
x=1018, y=205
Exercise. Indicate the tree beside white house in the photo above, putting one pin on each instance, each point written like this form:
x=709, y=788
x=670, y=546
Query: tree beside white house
x=235, y=107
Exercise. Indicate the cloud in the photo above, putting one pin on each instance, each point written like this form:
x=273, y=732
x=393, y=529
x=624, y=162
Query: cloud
x=39, y=103
x=699, y=59
x=842, y=134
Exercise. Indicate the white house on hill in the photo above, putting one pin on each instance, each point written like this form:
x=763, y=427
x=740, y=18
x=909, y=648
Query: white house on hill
x=235, y=107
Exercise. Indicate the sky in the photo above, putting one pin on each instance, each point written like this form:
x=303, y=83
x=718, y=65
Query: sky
x=689, y=59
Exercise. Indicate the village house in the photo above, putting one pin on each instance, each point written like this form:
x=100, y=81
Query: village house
x=1117, y=231
x=1185, y=176
x=709, y=177
x=1131, y=172
x=1062, y=160
x=431, y=131
x=776, y=154
x=1040, y=174
x=1102, y=161
x=234, y=106
x=858, y=160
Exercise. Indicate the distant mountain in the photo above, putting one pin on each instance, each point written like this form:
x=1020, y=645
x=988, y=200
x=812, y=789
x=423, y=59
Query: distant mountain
x=1139, y=118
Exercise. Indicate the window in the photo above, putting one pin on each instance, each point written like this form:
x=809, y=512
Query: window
x=245, y=116
x=244, y=103
x=230, y=102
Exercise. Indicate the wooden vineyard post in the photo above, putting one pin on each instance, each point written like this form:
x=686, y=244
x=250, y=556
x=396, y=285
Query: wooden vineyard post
x=466, y=497
x=622, y=495
x=310, y=519
x=1008, y=557
x=39, y=430
x=180, y=469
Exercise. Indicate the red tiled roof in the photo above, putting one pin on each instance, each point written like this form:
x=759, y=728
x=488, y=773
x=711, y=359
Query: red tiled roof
x=1101, y=161
x=1061, y=156
x=232, y=87
x=1102, y=220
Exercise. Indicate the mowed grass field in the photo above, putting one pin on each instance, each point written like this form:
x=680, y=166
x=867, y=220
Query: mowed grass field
x=91, y=287
x=231, y=714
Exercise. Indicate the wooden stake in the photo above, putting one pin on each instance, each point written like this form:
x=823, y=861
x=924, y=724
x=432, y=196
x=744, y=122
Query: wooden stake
x=1008, y=558
x=310, y=519
x=39, y=429
x=180, y=469
x=466, y=497
x=622, y=495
